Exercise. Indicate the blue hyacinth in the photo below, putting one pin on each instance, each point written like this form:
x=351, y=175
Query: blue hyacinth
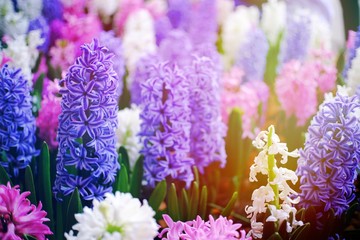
x=328, y=163
x=351, y=54
x=87, y=158
x=17, y=123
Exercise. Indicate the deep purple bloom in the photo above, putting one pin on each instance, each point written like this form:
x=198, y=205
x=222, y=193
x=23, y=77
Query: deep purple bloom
x=165, y=125
x=207, y=129
x=252, y=55
x=179, y=13
x=52, y=9
x=297, y=39
x=87, y=158
x=328, y=163
x=109, y=40
x=17, y=123
x=41, y=24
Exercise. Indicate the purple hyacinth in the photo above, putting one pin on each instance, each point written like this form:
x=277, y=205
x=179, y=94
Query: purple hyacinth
x=297, y=39
x=52, y=9
x=165, y=125
x=252, y=55
x=87, y=158
x=203, y=27
x=114, y=44
x=144, y=69
x=328, y=163
x=41, y=24
x=207, y=129
x=351, y=54
x=179, y=13
x=17, y=124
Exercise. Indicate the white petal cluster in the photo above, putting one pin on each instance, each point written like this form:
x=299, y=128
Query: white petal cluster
x=31, y=8
x=105, y=8
x=127, y=132
x=119, y=216
x=235, y=30
x=263, y=196
x=353, y=81
x=23, y=52
x=321, y=33
x=273, y=19
x=139, y=38
x=12, y=23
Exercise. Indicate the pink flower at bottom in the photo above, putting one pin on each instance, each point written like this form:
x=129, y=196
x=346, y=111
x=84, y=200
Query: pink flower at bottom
x=19, y=217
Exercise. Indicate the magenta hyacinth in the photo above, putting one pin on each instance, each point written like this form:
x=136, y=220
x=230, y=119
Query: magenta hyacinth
x=219, y=229
x=19, y=217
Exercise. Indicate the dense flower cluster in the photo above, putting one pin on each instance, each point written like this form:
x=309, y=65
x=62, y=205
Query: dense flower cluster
x=48, y=118
x=87, y=125
x=118, y=216
x=166, y=125
x=207, y=130
x=219, y=229
x=19, y=217
x=328, y=163
x=17, y=123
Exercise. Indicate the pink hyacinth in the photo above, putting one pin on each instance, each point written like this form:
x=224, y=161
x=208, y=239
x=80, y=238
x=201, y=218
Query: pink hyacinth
x=246, y=96
x=48, y=119
x=62, y=54
x=296, y=90
x=220, y=229
x=19, y=217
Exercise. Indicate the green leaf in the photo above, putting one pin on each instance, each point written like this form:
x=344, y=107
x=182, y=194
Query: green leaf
x=158, y=195
x=4, y=177
x=203, y=202
x=172, y=203
x=38, y=86
x=45, y=185
x=74, y=207
x=272, y=60
x=194, y=201
x=124, y=158
x=196, y=174
x=275, y=236
x=136, y=177
x=29, y=185
x=122, y=180
x=184, y=204
x=28, y=237
x=301, y=232
x=230, y=206
x=59, y=221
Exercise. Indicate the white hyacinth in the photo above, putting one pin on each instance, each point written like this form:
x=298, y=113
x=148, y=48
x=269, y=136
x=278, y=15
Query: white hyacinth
x=106, y=8
x=353, y=81
x=273, y=19
x=119, y=216
x=23, y=52
x=127, y=132
x=235, y=30
x=277, y=189
x=139, y=38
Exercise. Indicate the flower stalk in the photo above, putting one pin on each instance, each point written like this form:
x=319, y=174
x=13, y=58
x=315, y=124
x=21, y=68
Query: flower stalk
x=272, y=174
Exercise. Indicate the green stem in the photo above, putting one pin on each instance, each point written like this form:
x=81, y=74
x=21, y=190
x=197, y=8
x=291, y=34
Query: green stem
x=272, y=165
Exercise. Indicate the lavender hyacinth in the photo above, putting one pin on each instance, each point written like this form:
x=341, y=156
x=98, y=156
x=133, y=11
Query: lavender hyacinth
x=113, y=43
x=297, y=39
x=165, y=125
x=87, y=157
x=252, y=55
x=328, y=163
x=17, y=124
x=351, y=54
x=207, y=129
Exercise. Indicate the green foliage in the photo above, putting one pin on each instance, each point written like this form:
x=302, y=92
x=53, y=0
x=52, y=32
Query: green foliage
x=74, y=207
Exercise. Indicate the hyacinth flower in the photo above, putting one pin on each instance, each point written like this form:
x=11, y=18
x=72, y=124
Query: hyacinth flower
x=118, y=216
x=87, y=157
x=353, y=74
x=165, y=127
x=327, y=164
x=17, y=123
x=19, y=217
x=352, y=46
x=277, y=195
x=207, y=130
x=48, y=118
x=113, y=43
x=219, y=229
x=252, y=55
